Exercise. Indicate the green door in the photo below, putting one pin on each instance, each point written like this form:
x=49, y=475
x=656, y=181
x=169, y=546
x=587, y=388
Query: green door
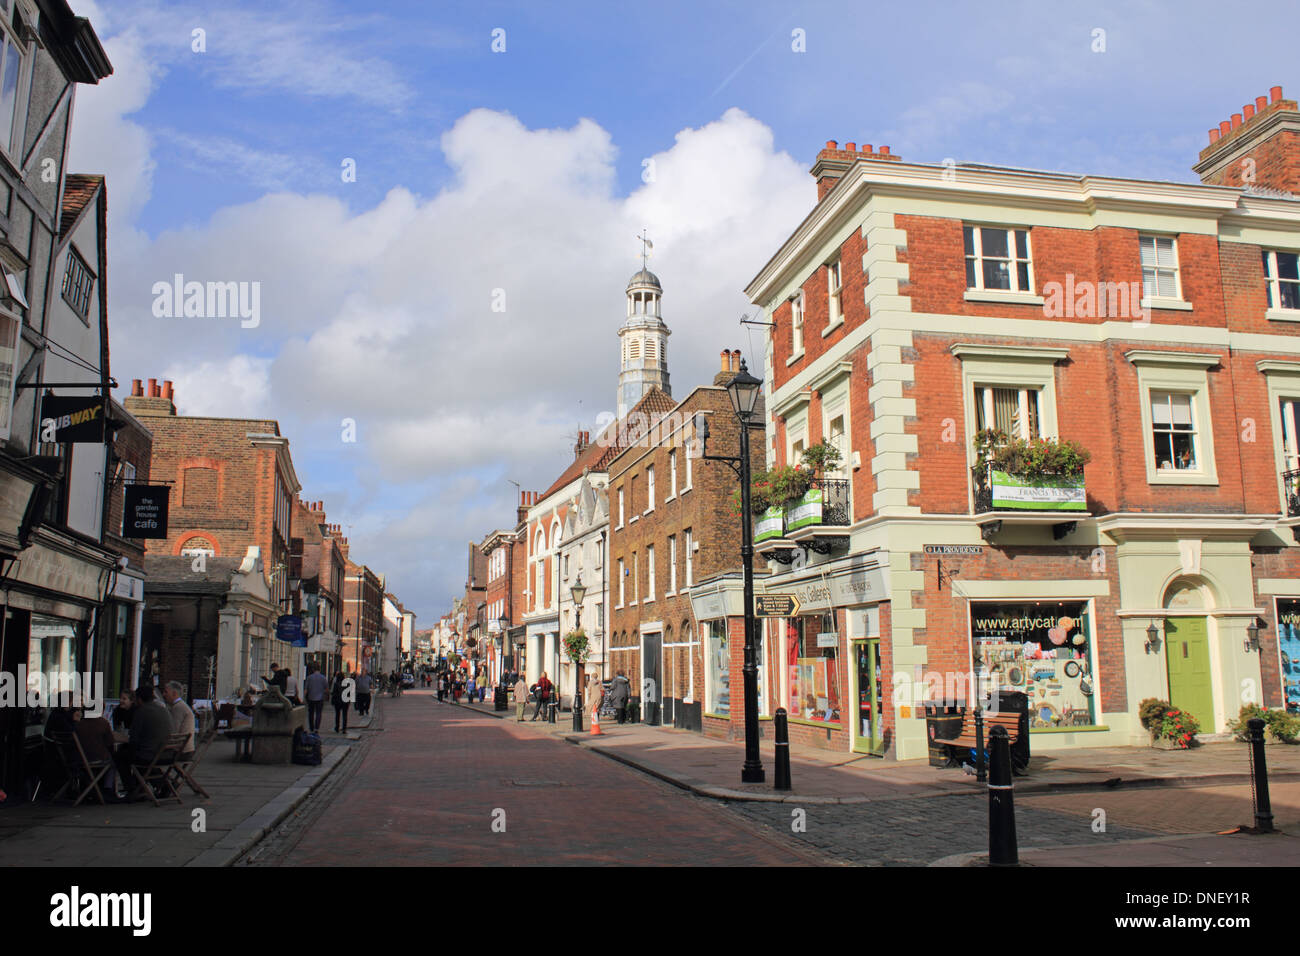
x=1188, y=652
x=868, y=732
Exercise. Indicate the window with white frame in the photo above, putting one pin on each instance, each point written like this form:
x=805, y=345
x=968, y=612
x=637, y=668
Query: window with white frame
x=688, y=472
x=796, y=324
x=650, y=488
x=1159, y=267
x=837, y=439
x=1173, y=432
x=672, y=564
x=649, y=572
x=13, y=73
x=833, y=288
x=672, y=473
x=622, y=584
x=77, y=284
x=997, y=259
x=620, y=507
x=1282, y=279
x=1289, y=408
x=690, y=555
x=1007, y=409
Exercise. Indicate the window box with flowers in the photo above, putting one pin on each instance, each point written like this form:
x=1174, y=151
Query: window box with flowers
x=1034, y=474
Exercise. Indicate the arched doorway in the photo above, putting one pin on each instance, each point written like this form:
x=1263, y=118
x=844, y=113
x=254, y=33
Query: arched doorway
x=1187, y=652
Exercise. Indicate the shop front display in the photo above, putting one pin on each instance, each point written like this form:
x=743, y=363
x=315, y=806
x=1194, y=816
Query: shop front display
x=717, y=667
x=1288, y=641
x=1040, y=649
x=813, y=674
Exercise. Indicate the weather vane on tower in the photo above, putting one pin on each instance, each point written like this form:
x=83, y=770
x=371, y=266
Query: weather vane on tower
x=646, y=247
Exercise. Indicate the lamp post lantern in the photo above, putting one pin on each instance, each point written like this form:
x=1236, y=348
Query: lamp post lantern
x=577, y=592
x=347, y=632
x=743, y=390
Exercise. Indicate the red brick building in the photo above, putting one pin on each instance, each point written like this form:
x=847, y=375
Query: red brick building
x=676, y=619
x=363, y=616
x=1151, y=323
x=317, y=563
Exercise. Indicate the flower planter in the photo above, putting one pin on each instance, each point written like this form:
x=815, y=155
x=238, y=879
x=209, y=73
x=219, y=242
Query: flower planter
x=1164, y=743
x=1014, y=493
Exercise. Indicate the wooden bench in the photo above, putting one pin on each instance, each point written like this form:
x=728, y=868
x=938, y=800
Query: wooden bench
x=1008, y=721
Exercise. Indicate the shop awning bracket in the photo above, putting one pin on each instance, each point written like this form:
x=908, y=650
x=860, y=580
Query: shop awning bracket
x=1064, y=529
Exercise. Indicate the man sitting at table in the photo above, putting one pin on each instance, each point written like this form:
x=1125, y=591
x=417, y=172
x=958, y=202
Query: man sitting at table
x=149, y=730
x=182, y=716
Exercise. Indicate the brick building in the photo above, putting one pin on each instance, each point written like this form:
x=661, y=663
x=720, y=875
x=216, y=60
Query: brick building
x=499, y=550
x=363, y=613
x=233, y=492
x=1152, y=323
x=317, y=563
x=674, y=552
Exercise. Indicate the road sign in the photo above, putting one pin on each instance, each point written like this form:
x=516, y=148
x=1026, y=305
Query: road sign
x=775, y=605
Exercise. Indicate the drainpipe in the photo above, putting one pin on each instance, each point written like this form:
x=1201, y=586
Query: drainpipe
x=604, y=612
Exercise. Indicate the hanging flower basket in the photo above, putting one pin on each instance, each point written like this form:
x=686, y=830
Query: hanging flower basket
x=575, y=646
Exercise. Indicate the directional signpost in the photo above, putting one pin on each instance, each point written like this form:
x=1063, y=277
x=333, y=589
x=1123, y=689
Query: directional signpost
x=776, y=605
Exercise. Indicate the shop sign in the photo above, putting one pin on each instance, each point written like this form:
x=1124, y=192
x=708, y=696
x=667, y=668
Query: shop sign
x=1288, y=639
x=44, y=568
x=770, y=525
x=775, y=605
x=128, y=587
x=954, y=549
x=1039, y=494
x=288, y=628
x=828, y=639
x=807, y=512
x=146, y=511
x=72, y=419
x=845, y=589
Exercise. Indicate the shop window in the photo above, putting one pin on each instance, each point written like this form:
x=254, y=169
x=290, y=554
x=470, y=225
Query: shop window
x=1042, y=650
x=814, y=692
x=51, y=664
x=1288, y=640
x=717, y=668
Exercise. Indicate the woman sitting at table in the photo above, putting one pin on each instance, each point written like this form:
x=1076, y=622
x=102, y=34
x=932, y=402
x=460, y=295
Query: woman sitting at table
x=96, y=737
x=246, y=705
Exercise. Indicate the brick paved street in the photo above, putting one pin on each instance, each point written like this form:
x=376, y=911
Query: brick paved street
x=429, y=786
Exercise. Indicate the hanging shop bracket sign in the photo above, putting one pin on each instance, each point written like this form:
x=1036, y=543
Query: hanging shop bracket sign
x=146, y=511
x=776, y=605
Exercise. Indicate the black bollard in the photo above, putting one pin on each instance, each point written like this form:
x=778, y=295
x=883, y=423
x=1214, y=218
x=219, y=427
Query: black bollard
x=980, y=774
x=1002, y=808
x=1259, y=777
x=782, y=732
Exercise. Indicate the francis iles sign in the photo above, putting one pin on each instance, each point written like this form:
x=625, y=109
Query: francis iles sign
x=146, y=511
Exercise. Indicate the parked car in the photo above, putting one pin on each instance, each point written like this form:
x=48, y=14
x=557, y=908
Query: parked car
x=408, y=679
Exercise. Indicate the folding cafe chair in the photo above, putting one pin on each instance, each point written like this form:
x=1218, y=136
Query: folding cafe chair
x=79, y=768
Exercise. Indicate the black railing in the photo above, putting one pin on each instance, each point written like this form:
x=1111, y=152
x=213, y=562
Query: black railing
x=835, y=500
x=1291, y=486
x=982, y=477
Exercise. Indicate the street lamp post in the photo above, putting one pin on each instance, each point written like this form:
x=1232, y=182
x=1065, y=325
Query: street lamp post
x=577, y=592
x=743, y=390
x=347, y=632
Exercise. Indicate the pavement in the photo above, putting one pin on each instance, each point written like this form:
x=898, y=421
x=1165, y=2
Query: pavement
x=247, y=800
x=1126, y=806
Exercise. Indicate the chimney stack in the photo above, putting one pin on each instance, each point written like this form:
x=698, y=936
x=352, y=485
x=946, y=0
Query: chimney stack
x=833, y=162
x=150, y=400
x=1257, y=149
x=730, y=366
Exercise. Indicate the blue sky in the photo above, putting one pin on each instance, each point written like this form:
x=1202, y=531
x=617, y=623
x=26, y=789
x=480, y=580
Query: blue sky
x=522, y=170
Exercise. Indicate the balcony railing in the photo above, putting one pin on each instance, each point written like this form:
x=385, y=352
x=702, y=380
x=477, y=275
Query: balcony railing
x=1000, y=491
x=825, y=504
x=835, y=501
x=1291, y=487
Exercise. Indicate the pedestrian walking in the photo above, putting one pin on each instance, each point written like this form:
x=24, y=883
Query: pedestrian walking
x=316, y=687
x=619, y=695
x=473, y=691
x=339, y=700
x=365, y=684
x=521, y=698
x=543, y=693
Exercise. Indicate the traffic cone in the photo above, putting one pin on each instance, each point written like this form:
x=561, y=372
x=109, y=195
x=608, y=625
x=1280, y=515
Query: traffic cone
x=595, y=723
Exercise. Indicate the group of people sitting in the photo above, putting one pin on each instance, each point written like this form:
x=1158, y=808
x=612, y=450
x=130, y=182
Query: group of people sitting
x=146, y=719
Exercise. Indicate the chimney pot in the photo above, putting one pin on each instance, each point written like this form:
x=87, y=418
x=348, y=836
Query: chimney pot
x=735, y=360
x=851, y=146
x=137, y=388
x=153, y=387
x=1275, y=93
x=1236, y=120
x=1225, y=128
x=1247, y=112
x=884, y=151
x=1261, y=103
x=726, y=360
x=1214, y=135
x=167, y=390
x=866, y=147
x=831, y=144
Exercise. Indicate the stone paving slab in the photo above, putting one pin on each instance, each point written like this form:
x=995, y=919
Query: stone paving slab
x=246, y=799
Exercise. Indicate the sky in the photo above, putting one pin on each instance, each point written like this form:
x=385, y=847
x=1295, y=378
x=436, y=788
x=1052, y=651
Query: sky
x=439, y=202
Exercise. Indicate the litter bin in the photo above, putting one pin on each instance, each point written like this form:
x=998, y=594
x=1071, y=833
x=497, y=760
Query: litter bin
x=499, y=698
x=941, y=723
